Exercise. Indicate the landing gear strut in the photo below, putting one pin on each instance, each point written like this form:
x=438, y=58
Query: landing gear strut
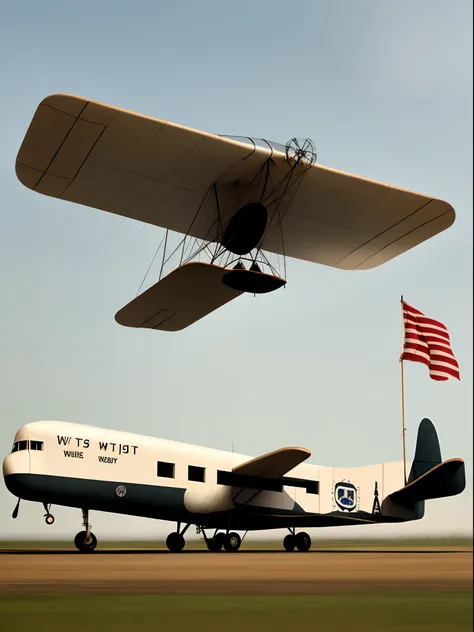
x=85, y=541
x=48, y=517
x=293, y=540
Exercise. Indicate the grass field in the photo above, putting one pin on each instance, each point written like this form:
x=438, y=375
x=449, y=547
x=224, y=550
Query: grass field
x=404, y=611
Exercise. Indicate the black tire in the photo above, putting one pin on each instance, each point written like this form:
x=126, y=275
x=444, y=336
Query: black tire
x=232, y=542
x=289, y=543
x=175, y=542
x=82, y=545
x=49, y=519
x=220, y=538
x=303, y=542
x=214, y=545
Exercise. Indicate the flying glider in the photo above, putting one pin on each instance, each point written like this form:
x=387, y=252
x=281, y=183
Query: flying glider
x=72, y=465
x=235, y=201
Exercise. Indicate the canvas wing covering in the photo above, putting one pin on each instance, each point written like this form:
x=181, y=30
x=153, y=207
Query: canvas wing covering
x=160, y=173
x=184, y=296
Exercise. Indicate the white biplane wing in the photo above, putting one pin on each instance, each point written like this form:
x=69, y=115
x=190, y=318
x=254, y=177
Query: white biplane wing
x=158, y=172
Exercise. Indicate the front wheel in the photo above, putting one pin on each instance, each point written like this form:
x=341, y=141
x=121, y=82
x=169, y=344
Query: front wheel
x=175, y=542
x=82, y=544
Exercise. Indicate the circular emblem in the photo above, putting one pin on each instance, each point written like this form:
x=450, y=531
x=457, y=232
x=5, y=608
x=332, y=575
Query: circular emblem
x=121, y=491
x=345, y=495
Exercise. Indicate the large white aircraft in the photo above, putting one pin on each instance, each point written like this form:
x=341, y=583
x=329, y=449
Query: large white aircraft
x=61, y=463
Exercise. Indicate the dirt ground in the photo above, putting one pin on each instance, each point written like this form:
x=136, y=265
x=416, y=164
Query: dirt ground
x=254, y=572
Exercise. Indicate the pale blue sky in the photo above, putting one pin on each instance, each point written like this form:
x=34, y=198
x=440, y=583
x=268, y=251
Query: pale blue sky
x=385, y=91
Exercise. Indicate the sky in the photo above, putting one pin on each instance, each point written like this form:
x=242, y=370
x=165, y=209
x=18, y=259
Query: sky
x=385, y=91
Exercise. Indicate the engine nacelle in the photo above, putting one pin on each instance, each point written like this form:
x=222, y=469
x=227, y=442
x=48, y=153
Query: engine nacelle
x=205, y=500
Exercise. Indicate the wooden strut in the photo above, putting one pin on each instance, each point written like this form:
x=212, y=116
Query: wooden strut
x=403, y=407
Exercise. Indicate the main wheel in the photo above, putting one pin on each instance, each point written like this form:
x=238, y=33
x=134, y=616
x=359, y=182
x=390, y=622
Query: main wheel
x=303, y=541
x=214, y=545
x=82, y=545
x=289, y=542
x=232, y=542
x=175, y=542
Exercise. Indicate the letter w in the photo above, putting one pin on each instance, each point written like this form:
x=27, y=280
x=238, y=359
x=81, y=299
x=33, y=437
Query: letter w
x=64, y=440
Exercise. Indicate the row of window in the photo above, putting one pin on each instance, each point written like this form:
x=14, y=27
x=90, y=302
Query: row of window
x=195, y=473
x=25, y=445
x=198, y=474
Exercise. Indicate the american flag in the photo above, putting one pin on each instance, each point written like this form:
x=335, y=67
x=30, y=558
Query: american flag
x=427, y=341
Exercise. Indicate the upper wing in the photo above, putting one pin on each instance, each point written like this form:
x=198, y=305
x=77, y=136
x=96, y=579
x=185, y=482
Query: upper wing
x=158, y=172
x=274, y=464
x=349, y=222
x=124, y=163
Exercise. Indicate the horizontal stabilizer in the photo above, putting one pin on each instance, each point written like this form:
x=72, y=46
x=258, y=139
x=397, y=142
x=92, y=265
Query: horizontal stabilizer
x=445, y=479
x=274, y=464
x=180, y=299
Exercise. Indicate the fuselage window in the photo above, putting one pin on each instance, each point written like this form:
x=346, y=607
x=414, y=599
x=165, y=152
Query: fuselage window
x=196, y=473
x=165, y=470
x=312, y=487
x=36, y=445
x=20, y=445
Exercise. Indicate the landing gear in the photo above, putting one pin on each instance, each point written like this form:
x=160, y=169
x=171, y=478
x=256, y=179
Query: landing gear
x=229, y=541
x=303, y=541
x=85, y=544
x=48, y=517
x=232, y=542
x=293, y=540
x=85, y=541
x=216, y=543
x=289, y=542
x=175, y=541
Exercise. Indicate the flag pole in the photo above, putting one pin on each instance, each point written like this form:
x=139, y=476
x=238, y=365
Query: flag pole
x=403, y=407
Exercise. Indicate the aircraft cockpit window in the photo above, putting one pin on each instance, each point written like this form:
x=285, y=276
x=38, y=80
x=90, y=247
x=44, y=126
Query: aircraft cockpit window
x=36, y=445
x=20, y=445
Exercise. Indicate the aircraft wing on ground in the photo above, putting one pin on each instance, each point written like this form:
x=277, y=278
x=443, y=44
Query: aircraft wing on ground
x=273, y=464
x=160, y=173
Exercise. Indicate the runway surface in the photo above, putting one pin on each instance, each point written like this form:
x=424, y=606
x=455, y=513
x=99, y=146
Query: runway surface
x=254, y=572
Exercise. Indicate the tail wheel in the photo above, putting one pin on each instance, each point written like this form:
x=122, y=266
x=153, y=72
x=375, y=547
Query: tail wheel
x=232, y=542
x=83, y=544
x=303, y=541
x=49, y=518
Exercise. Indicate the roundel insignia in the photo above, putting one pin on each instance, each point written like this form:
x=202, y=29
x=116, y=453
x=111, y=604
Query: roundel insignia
x=345, y=495
x=121, y=490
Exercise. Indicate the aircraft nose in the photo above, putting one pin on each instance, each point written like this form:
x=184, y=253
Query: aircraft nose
x=8, y=465
x=16, y=463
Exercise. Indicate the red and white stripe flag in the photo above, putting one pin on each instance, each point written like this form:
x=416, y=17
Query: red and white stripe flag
x=427, y=341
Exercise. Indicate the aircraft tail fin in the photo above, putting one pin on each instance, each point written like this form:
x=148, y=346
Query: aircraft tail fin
x=430, y=476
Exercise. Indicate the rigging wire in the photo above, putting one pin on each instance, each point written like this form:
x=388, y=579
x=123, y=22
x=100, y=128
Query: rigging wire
x=149, y=267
